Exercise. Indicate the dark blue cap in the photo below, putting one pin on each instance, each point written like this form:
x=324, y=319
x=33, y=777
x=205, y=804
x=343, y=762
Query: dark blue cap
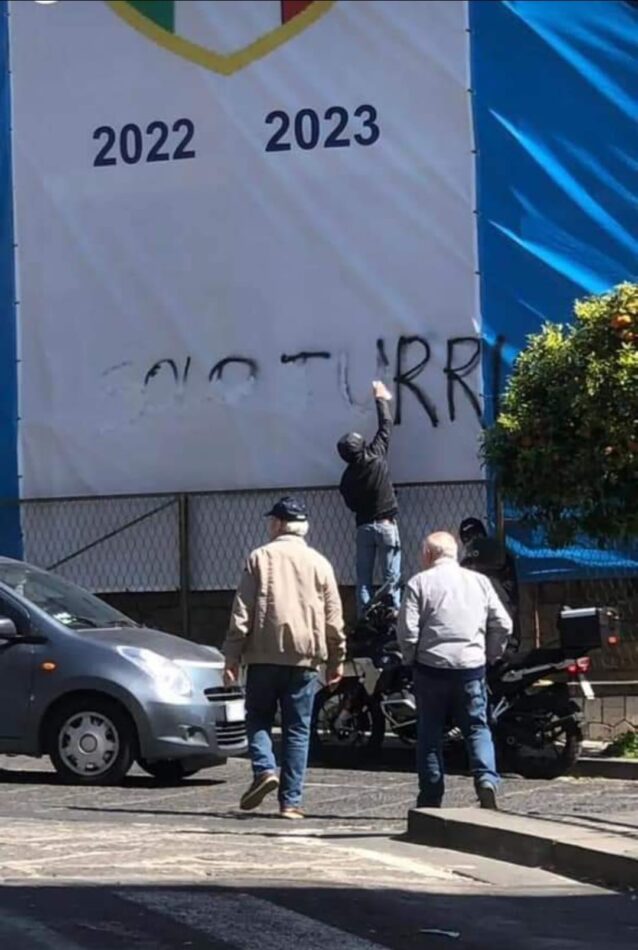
x=288, y=509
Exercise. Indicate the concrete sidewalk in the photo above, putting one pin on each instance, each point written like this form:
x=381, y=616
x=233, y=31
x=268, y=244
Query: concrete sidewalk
x=606, y=853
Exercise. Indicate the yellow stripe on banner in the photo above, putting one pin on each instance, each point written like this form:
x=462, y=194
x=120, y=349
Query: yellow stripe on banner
x=224, y=63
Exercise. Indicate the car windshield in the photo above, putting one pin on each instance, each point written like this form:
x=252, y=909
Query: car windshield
x=66, y=603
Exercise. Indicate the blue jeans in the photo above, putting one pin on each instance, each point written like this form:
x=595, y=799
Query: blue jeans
x=438, y=700
x=379, y=538
x=293, y=689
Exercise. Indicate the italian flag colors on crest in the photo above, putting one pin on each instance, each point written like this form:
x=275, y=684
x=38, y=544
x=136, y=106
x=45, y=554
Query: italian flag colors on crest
x=222, y=35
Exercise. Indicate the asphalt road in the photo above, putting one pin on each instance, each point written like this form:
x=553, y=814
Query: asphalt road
x=150, y=867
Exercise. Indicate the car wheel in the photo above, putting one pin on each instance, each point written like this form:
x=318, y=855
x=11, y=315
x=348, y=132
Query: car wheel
x=91, y=742
x=168, y=771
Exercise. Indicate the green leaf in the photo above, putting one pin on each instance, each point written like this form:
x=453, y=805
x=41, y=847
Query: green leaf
x=565, y=445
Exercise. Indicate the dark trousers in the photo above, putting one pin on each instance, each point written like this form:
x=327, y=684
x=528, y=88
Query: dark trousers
x=439, y=699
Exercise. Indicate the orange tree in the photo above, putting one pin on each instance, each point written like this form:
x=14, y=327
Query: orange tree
x=564, y=447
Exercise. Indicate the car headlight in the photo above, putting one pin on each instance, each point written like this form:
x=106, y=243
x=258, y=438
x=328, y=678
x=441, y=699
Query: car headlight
x=169, y=677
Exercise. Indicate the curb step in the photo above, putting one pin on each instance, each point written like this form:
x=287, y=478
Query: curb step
x=577, y=852
x=590, y=766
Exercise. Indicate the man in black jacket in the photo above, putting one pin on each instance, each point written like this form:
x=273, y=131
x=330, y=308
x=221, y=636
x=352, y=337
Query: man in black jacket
x=367, y=490
x=484, y=554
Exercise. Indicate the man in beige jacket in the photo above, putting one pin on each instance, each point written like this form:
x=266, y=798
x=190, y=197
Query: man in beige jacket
x=286, y=621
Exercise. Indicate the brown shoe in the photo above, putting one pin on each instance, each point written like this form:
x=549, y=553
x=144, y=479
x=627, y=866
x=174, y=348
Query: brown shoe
x=262, y=785
x=291, y=813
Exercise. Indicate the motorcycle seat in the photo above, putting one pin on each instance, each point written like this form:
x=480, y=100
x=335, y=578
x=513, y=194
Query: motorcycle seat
x=534, y=657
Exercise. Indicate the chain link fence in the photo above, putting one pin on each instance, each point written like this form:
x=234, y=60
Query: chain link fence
x=614, y=669
x=619, y=664
x=618, y=592
x=106, y=544
x=224, y=527
x=593, y=589
x=200, y=541
x=184, y=546
x=614, y=711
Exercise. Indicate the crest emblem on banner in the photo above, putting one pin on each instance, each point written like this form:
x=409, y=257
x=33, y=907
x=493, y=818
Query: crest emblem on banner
x=236, y=33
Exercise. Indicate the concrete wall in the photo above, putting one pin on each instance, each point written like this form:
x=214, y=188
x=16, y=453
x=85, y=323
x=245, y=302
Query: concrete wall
x=609, y=716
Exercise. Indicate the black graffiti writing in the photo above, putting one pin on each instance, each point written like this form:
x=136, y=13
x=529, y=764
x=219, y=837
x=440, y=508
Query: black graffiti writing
x=344, y=374
x=412, y=365
x=172, y=365
x=382, y=356
x=217, y=371
x=405, y=378
x=456, y=374
x=305, y=355
x=156, y=368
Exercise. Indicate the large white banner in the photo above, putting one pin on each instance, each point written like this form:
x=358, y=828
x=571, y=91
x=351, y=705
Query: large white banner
x=231, y=217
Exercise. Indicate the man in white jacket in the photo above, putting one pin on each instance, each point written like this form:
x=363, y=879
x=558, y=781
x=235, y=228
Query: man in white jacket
x=451, y=625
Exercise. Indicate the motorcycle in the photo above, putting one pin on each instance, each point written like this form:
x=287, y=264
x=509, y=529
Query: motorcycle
x=537, y=727
x=376, y=688
x=375, y=694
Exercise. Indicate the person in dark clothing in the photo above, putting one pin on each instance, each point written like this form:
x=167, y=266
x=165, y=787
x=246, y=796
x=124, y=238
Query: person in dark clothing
x=484, y=554
x=366, y=488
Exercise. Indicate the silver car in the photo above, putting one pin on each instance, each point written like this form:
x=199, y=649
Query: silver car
x=86, y=685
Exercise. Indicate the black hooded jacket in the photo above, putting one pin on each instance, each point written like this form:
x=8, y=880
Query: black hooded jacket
x=366, y=485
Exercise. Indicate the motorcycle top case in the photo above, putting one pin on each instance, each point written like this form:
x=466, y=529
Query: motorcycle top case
x=585, y=628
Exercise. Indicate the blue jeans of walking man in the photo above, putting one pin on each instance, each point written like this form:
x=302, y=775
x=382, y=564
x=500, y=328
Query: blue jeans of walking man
x=379, y=539
x=443, y=696
x=292, y=689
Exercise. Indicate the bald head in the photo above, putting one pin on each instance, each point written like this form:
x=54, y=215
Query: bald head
x=437, y=545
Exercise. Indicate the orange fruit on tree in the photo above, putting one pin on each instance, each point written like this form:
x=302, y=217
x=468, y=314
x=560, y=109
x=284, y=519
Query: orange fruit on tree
x=621, y=321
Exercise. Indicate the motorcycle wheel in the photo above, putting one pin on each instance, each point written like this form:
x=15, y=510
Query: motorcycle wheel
x=346, y=720
x=543, y=746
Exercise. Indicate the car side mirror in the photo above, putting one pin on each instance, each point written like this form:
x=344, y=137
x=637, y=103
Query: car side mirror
x=11, y=636
x=8, y=629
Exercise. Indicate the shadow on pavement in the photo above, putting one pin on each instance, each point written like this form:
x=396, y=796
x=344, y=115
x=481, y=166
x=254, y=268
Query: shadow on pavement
x=393, y=758
x=287, y=916
x=232, y=814
x=27, y=777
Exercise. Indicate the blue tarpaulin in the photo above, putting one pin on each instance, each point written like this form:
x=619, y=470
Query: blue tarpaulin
x=556, y=117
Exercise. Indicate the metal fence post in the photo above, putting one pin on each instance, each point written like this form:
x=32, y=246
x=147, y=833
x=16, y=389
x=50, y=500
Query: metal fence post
x=184, y=565
x=497, y=386
x=536, y=620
